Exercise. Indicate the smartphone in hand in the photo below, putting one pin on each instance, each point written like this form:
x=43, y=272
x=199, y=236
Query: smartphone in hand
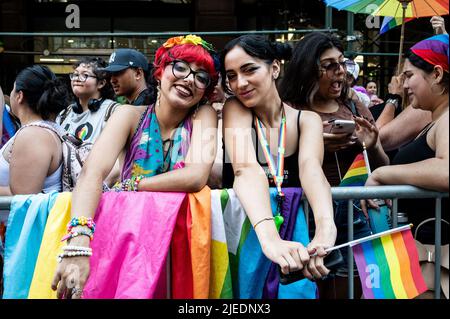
x=342, y=126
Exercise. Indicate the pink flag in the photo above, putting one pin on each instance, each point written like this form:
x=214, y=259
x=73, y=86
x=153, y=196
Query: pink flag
x=130, y=245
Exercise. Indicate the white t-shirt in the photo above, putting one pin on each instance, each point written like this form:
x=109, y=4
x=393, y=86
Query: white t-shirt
x=88, y=125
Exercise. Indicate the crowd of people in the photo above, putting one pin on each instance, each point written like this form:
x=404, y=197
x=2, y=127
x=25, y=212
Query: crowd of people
x=239, y=119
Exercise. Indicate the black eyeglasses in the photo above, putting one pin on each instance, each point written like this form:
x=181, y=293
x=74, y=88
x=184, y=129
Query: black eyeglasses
x=80, y=76
x=333, y=67
x=182, y=70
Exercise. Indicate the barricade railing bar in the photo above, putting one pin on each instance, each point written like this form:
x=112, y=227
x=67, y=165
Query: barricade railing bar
x=160, y=34
x=393, y=192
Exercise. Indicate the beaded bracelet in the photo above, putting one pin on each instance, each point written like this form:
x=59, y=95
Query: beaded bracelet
x=76, y=248
x=81, y=221
x=75, y=253
x=132, y=183
x=137, y=180
x=73, y=234
x=128, y=185
x=60, y=257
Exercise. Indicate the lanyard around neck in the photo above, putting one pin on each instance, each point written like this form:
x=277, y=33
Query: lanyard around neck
x=278, y=170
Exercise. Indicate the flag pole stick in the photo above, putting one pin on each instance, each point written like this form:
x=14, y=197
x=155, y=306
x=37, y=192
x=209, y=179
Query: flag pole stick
x=404, y=4
x=361, y=240
x=366, y=159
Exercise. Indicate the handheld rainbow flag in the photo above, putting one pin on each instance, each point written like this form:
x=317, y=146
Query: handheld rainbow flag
x=388, y=265
x=391, y=22
x=357, y=173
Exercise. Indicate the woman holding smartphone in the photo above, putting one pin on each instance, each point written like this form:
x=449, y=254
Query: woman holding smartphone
x=315, y=81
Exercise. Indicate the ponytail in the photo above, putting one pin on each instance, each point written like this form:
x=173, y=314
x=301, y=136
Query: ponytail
x=44, y=93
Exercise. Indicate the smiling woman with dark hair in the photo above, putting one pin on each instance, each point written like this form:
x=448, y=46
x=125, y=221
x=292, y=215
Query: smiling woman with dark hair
x=423, y=162
x=250, y=66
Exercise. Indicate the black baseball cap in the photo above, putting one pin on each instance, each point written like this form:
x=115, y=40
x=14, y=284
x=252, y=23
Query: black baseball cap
x=122, y=59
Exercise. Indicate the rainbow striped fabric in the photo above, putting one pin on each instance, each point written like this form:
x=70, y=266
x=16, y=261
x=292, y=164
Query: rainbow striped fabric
x=214, y=250
x=253, y=276
x=389, y=268
x=356, y=174
x=391, y=22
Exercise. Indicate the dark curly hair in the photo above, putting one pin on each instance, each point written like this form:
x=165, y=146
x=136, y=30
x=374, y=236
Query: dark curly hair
x=106, y=92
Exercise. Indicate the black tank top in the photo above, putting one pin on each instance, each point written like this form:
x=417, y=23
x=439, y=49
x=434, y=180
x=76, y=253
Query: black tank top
x=416, y=150
x=291, y=173
x=421, y=209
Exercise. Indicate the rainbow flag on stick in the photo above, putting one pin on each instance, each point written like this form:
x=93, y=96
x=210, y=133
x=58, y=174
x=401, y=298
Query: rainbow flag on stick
x=357, y=173
x=388, y=265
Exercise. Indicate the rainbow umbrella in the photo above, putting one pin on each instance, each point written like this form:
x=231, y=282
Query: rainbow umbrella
x=391, y=22
x=394, y=8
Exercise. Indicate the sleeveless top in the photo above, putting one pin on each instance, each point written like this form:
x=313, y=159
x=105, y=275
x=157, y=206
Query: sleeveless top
x=51, y=182
x=421, y=209
x=291, y=170
x=416, y=150
x=145, y=155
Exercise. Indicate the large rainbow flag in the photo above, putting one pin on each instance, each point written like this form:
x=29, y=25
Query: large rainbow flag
x=253, y=276
x=213, y=248
x=388, y=265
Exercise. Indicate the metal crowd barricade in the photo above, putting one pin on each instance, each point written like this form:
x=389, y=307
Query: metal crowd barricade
x=393, y=192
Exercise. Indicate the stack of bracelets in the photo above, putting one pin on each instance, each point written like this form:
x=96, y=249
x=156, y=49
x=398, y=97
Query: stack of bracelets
x=129, y=185
x=75, y=251
x=80, y=221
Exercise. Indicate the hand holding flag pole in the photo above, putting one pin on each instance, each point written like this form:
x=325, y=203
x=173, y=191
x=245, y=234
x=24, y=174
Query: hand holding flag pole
x=371, y=237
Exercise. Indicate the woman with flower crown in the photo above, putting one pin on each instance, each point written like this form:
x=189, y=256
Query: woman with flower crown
x=155, y=144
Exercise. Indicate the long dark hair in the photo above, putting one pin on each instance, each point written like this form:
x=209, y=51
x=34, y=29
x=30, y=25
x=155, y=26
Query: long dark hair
x=256, y=46
x=44, y=93
x=300, y=81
